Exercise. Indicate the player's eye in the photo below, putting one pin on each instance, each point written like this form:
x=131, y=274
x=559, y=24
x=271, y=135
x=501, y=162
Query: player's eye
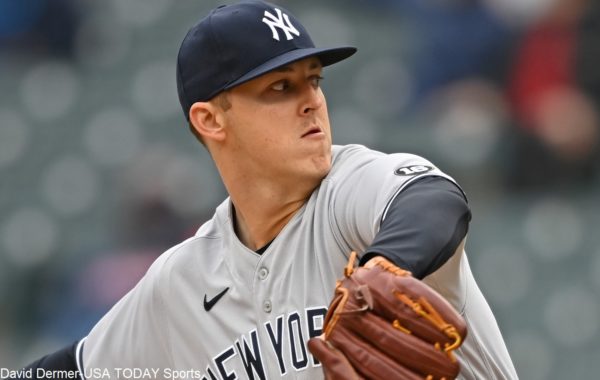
x=281, y=85
x=316, y=80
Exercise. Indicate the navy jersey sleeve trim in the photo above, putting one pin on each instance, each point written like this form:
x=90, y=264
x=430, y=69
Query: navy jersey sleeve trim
x=424, y=225
x=62, y=360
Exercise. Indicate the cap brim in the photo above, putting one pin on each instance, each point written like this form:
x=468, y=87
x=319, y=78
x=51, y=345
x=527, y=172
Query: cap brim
x=327, y=57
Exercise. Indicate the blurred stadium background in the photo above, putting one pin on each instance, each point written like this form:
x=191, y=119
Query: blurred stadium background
x=99, y=173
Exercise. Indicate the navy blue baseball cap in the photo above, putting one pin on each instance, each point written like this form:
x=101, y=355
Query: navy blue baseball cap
x=239, y=42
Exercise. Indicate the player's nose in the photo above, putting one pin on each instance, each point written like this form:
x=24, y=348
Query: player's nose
x=312, y=99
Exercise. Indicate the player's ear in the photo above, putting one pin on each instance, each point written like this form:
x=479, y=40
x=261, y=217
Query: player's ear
x=207, y=119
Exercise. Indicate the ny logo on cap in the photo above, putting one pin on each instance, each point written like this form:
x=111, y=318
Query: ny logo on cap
x=282, y=21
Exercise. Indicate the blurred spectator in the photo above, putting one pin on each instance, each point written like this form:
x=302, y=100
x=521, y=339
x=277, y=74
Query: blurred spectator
x=151, y=224
x=38, y=26
x=469, y=120
x=144, y=228
x=102, y=276
x=452, y=40
x=588, y=52
x=558, y=122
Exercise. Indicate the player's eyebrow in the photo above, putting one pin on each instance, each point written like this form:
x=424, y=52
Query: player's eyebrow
x=284, y=69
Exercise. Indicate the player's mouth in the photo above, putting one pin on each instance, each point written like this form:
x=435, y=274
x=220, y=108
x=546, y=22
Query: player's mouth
x=313, y=132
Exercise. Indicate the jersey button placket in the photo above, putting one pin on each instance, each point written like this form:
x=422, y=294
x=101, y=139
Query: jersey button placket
x=263, y=273
x=267, y=306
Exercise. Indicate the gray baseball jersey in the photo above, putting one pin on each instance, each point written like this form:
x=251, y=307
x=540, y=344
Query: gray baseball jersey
x=210, y=308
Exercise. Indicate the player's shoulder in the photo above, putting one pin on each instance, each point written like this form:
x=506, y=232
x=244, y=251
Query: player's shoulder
x=346, y=153
x=355, y=158
x=194, y=249
x=174, y=256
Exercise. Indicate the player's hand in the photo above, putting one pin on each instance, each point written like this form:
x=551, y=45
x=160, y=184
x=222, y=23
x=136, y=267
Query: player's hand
x=385, y=324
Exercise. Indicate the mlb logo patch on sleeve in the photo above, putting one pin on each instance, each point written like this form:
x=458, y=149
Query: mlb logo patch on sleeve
x=412, y=170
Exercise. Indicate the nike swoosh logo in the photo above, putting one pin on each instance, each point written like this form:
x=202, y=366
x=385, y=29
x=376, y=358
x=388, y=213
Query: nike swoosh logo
x=209, y=304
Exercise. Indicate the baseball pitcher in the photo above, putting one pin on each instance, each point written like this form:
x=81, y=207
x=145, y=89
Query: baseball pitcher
x=269, y=287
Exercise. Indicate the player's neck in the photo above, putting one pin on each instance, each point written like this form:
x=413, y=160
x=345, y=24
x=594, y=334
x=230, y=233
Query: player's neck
x=264, y=207
x=264, y=202
x=258, y=226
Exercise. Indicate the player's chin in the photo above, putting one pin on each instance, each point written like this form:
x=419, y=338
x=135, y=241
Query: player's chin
x=316, y=149
x=322, y=164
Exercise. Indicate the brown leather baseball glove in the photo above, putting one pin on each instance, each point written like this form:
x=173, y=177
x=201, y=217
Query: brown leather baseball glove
x=385, y=324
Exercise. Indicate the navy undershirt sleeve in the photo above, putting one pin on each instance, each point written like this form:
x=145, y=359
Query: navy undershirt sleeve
x=423, y=226
x=61, y=360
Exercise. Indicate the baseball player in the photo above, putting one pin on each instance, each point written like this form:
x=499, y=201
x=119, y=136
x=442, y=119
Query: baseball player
x=241, y=298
